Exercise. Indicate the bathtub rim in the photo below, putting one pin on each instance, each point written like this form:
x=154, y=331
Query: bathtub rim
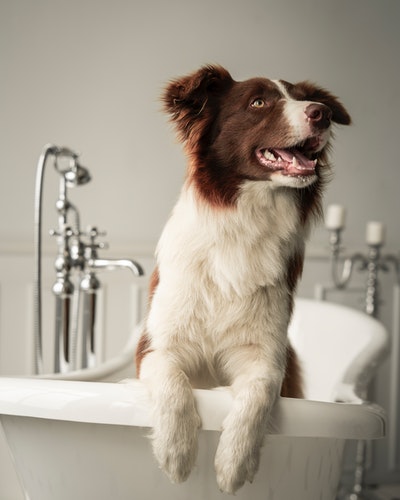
x=127, y=404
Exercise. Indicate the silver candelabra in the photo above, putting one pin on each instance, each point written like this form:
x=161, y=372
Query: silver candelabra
x=372, y=262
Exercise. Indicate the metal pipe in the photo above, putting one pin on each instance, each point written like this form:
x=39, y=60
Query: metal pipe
x=62, y=339
x=74, y=330
x=89, y=287
x=63, y=289
x=49, y=149
x=89, y=355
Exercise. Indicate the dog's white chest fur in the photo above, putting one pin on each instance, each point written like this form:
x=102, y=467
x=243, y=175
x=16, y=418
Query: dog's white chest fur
x=220, y=269
x=239, y=249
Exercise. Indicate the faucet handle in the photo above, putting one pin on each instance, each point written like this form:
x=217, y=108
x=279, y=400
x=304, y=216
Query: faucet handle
x=67, y=232
x=93, y=233
x=63, y=235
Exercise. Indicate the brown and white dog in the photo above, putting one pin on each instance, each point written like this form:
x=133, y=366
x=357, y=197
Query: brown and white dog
x=229, y=259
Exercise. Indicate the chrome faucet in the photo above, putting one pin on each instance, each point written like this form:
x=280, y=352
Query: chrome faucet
x=90, y=284
x=76, y=285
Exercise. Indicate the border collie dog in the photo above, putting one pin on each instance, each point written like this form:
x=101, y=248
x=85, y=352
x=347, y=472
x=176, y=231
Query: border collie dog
x=229, y=259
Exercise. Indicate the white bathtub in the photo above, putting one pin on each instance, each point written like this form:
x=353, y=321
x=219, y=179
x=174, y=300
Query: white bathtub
x=87, y=440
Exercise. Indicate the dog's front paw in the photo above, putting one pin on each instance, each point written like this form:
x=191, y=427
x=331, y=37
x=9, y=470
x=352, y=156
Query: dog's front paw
x=175, y=444
x=234, y=465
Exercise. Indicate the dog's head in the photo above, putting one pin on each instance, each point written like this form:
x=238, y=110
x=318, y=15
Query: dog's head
x=258, y=129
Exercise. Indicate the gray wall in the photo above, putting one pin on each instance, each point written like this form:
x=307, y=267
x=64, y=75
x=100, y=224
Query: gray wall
x=88, y=74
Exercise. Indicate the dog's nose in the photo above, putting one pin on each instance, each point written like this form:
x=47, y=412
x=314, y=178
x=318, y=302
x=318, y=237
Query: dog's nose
x=319, y=114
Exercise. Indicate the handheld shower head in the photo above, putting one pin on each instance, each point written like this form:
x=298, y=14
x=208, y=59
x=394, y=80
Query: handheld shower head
x=77, y=175
x=67, y=165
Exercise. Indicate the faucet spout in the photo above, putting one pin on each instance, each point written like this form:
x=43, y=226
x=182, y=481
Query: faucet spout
x=111, y=264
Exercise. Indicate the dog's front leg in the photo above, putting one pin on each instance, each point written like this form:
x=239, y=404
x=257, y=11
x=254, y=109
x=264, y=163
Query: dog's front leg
x=255, y=391
x=175, y=418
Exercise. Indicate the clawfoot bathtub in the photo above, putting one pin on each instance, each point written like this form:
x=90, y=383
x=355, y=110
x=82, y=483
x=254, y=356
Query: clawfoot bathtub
x=86, y=440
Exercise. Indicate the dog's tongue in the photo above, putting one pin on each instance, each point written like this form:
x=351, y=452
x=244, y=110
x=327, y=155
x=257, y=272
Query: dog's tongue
x=298, y=163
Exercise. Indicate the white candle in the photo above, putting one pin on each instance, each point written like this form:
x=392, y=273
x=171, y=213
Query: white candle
x=375, y=233
x=335, y=217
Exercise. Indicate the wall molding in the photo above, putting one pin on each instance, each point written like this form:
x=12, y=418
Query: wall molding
x=26, y=248
x=147, y=249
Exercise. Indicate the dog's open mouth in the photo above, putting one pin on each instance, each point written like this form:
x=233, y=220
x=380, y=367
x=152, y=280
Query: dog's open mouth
x=293, y=161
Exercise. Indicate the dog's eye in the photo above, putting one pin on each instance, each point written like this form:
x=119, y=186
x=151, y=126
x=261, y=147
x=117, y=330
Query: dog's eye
x=258, y=103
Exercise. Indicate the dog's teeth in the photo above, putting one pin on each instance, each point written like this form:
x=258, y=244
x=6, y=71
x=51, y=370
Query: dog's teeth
x=269, y=156
x=315, y=162
x=295, y=162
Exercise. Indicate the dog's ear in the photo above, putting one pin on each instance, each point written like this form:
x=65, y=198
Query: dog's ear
x=189, y=99
x=314, y=93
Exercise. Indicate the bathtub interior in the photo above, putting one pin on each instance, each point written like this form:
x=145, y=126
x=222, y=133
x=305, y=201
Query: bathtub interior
x=339, y=348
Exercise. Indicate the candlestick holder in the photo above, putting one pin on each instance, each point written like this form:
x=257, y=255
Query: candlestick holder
x=373, y=262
